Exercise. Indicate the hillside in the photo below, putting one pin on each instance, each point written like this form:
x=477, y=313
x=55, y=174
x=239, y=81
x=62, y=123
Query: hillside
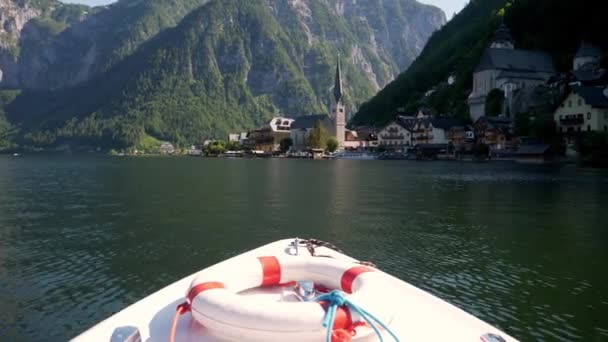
x=52, y=45
x=230, y=65
x=555, y=26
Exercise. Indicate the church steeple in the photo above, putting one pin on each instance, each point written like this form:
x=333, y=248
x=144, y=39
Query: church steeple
x=338, y=82
x=502, y=38
x=338, y=110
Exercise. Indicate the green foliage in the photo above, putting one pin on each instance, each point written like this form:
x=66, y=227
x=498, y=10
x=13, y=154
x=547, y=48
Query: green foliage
x=225, y=66
x=7, y=130
x=318, y=137
x=215, y=148
x=286, y=144
x=52, y=27
x=148, y=144
x=594, y=145
x=453, y=50
x=234, y=146
x=494, y=102
x=332, y=144
x=522, y=124
x=457, y=48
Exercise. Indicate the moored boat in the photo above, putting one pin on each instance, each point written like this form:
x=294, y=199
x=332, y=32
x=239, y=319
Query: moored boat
x=356, y=155
x=292, y=290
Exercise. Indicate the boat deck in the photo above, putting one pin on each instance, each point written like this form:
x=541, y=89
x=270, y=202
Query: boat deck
x=420, y=315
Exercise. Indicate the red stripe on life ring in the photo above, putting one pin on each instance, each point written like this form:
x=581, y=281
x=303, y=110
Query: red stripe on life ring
x=196, y=290
x=343, y=318
x=271, y=271
x=350, y=275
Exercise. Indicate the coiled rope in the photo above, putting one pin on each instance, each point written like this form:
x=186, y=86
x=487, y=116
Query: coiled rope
x=336, y=299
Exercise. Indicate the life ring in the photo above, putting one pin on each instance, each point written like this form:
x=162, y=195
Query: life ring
x=214, y=299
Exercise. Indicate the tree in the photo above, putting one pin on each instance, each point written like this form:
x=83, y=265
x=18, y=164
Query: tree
x=332, y=144
x=286, y=144
x=317, y=137
x=522, y=124
x=216, y=148
x=494, y=102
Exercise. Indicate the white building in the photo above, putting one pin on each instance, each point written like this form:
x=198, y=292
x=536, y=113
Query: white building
x=335, y=124
x=396, y=134
x=238, y=137
x=584, y=110
x=268, y=137
x=588, y=55
x=433, y=131
x=508, y=69
x=338, y=113
x=166, y=148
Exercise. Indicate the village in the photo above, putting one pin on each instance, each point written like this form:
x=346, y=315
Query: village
x=507, y=82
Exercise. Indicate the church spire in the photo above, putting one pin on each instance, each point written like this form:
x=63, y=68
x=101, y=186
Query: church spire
x=502, y=38
x=338, y=93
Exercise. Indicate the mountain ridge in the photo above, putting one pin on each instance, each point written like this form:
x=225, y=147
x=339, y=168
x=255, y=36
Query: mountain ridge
x=455, y=50
x=227, y=65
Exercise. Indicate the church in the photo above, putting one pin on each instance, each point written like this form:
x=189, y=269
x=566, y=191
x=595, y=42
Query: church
x=511, y=70
x=335, y=123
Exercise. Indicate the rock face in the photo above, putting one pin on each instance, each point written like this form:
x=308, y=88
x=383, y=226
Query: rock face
x=54, y=45
x=395, y=32
x=185, y=69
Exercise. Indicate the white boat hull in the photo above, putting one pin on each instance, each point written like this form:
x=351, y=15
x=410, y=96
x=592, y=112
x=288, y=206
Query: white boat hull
x=419, y=316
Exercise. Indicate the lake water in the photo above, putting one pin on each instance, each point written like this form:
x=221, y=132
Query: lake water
x=524, y=248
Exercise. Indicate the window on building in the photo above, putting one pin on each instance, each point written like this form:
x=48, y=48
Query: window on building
x=588, y=128
x=588, y=116
x=341, y=110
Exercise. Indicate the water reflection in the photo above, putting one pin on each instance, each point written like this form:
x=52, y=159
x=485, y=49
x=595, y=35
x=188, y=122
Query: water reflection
x=523, y=248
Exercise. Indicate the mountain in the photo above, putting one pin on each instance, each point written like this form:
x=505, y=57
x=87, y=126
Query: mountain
x=554, y=26
x=226, y=65
x=53, y=45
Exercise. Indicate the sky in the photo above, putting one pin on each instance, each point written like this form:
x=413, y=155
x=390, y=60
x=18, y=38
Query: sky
x=448, y=6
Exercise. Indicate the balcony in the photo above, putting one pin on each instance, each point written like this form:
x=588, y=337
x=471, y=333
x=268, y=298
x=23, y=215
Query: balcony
x=392, y=137
x=572, y=121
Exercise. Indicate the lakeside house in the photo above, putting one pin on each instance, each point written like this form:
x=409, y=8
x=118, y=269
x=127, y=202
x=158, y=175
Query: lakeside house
x=397, y=134
x=433, y=130
x=462, y=138
x=166, y=148
x=361, y=139
x=587, y=70
x=534, y=154
x=268, y=137
x=193, y=151
x=585, y=109
x=496, y=132
x=240, y=138
x=511, y=70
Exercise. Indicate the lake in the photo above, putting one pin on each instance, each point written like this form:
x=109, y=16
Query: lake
x=522, y=247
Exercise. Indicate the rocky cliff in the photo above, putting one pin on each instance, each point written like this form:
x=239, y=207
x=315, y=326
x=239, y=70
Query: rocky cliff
x=208, y=67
